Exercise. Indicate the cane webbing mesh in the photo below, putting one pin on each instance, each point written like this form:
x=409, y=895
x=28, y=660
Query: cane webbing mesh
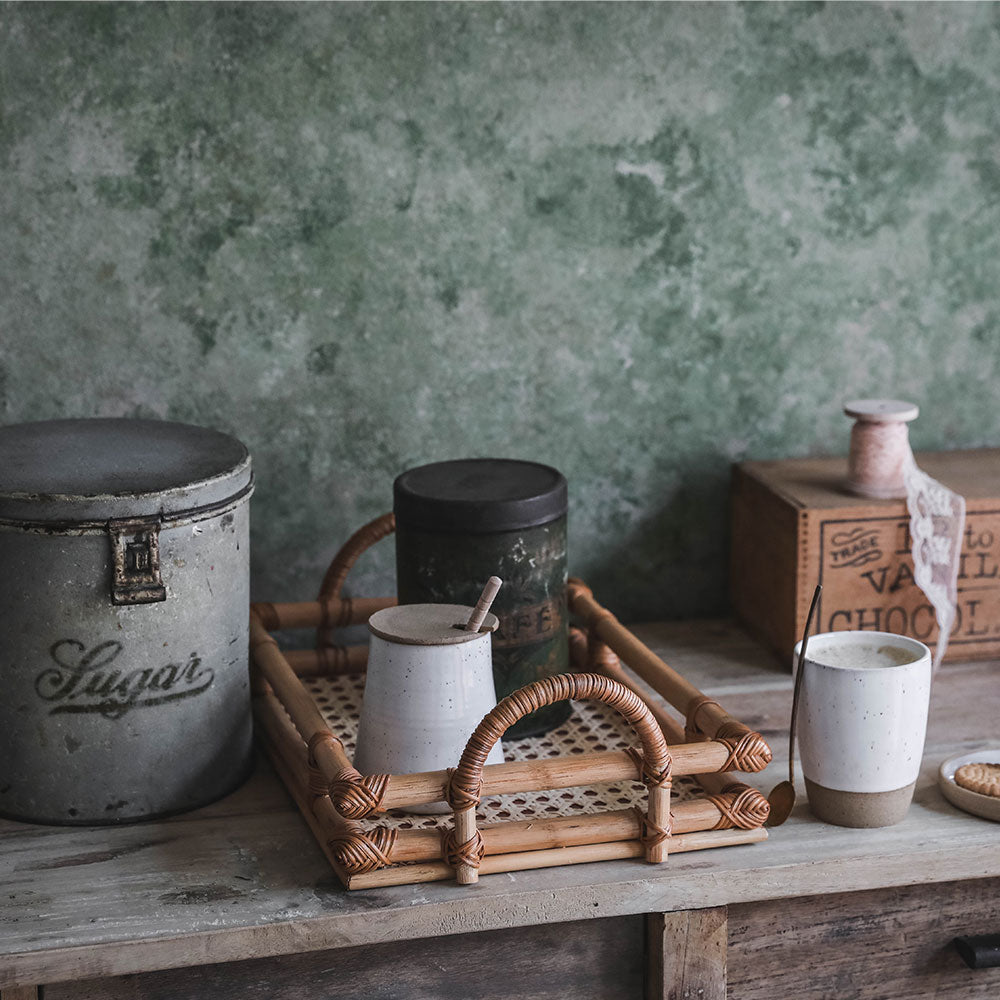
x=592, y=726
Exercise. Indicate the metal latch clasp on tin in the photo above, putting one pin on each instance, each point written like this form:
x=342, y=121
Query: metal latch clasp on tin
x=135, y=551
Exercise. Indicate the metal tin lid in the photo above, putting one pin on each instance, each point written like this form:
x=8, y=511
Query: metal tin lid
x=428, y=624
x=93, y=470
x=479, y=495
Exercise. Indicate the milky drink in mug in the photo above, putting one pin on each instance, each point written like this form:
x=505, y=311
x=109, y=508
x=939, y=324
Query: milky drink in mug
x=861, y=725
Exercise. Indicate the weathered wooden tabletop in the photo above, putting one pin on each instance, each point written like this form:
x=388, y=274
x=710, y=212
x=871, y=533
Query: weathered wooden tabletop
x=244, y=878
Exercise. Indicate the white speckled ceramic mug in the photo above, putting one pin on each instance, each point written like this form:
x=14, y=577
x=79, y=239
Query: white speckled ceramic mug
x=861, y=723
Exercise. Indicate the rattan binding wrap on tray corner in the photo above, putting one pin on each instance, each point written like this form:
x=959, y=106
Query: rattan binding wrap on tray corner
x=303, y=696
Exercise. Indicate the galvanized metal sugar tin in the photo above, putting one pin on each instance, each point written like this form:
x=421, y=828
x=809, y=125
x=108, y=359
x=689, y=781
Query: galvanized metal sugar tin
x=460, y=522
x=124, y=596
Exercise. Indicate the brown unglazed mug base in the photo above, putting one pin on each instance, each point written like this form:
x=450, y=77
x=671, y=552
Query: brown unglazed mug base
x=859, y=809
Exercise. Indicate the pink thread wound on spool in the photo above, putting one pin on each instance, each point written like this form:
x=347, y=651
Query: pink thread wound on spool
x=880, y=446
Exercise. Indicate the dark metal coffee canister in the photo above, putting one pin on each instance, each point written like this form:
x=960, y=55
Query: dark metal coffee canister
x=124, y=596
x=460, y=522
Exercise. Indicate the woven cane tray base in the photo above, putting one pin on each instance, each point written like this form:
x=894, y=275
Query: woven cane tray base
x=584, y=792
x=592, y=726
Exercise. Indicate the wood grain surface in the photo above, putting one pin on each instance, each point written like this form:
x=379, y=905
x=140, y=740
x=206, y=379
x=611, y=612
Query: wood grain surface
x=686, y=955
x=586, y=960
x=244, y=878
x=876, y=945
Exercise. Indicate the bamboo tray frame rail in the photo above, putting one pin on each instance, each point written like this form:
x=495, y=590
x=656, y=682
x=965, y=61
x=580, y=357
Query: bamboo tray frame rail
x=333, y=796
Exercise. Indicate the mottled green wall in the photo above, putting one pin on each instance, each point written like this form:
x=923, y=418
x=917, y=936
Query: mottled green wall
x=638, y=242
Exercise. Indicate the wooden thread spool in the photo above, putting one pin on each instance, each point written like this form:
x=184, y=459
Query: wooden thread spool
x=880, y=446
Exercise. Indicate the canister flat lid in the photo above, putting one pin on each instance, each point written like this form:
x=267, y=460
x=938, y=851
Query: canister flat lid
x=427, y=624
x=479, y=495
x=96, y=469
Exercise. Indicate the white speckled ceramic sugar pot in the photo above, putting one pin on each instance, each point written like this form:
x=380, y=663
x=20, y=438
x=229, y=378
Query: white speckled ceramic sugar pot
x=428, y=686
x=124, y=596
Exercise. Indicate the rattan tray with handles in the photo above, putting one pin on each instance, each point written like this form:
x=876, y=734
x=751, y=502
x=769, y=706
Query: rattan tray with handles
x=582, y=793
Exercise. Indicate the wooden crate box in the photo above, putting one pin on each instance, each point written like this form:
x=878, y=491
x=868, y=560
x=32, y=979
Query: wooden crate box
x=795, y=525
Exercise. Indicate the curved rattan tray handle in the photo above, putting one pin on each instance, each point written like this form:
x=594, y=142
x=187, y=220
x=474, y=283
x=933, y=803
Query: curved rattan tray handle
x=348, y=554
x=465, y=849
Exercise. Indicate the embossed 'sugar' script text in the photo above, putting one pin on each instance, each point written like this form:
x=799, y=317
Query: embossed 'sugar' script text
x=85, y=680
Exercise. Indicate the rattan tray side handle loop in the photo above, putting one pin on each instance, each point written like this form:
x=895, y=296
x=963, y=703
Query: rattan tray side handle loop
x=362, y=540
x=465, y=848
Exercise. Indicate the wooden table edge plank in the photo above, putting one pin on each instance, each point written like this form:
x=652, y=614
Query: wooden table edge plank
x=700, y=889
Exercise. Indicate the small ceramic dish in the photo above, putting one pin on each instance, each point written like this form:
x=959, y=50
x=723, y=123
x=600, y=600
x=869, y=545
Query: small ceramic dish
x=987, y=806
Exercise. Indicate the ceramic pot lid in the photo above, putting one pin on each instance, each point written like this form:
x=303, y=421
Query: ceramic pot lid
x=427, y=624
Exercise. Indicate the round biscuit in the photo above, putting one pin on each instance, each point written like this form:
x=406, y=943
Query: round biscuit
x=981, y=778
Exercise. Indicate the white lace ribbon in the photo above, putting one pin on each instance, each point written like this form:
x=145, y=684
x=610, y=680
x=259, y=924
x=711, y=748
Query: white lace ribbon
x=937, y=524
